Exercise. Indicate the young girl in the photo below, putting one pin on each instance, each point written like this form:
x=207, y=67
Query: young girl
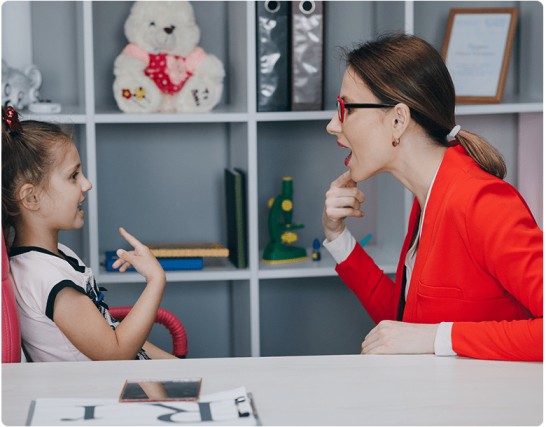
x=62, y=313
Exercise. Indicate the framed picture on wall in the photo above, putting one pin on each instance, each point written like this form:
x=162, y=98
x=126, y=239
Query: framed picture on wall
x=476, y=51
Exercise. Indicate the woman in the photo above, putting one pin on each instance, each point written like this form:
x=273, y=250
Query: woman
x=469, y=279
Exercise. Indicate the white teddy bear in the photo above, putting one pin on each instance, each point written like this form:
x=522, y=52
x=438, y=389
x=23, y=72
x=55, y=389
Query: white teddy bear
x=162, y=68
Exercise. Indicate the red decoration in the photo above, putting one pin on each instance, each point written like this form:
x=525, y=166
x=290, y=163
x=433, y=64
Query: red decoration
x=11, y=118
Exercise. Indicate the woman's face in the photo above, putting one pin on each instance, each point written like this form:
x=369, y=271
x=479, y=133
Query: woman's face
x=367, y=132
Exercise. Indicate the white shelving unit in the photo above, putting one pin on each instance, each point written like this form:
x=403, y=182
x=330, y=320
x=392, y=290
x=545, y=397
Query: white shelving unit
x=161, y=175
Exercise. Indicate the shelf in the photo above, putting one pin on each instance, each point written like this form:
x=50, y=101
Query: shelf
x=282, y=116
x=323, y=268
x=74, y=115
x=69, y=115
x=215, y=269
x=326, y=266
x=506, y=107
x=218, y=115
x=503, y=108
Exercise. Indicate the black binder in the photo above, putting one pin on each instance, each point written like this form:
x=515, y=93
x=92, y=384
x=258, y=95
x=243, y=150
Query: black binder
x=272, y=68
x=235, y=187
x=307, y=53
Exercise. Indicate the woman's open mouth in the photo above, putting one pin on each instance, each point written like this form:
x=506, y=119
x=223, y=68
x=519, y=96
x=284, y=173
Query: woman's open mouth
x=348, y=158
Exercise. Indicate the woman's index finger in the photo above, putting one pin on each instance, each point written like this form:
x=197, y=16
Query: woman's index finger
x=344, y=180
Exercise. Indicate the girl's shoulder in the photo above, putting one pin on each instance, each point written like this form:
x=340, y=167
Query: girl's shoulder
x=33, y=265
x=65, y=250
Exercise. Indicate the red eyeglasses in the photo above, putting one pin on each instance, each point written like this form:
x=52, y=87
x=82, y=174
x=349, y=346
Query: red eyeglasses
x=342, y=106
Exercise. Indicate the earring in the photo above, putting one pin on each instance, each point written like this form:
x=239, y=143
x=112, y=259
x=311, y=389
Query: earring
x=396, y=142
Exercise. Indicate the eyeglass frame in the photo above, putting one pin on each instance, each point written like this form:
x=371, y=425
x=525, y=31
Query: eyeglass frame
x=342, y=106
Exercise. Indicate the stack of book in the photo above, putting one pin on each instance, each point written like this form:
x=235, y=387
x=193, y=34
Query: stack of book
x=177, y=256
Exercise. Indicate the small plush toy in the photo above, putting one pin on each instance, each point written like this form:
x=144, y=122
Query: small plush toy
x=162, y=68
x=20, y=89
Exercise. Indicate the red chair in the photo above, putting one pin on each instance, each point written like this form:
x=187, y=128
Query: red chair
x=11, y=330
x=167, y=319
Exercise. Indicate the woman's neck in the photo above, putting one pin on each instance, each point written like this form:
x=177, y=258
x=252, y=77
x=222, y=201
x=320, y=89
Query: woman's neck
x=418, y=165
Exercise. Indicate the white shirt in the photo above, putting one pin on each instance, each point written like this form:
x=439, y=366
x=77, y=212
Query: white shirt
x=39, y=275
x=341, y=247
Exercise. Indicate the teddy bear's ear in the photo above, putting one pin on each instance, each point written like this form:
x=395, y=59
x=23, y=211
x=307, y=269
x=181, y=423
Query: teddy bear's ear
x=35, y=77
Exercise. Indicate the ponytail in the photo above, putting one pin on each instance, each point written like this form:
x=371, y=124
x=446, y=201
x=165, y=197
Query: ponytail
x=483, y=153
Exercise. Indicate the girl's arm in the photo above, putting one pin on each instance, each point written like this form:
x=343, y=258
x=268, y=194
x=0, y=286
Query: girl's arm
x=157, y=353
x=81, y=322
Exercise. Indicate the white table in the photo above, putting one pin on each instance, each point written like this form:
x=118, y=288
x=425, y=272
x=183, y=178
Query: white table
x=315, y=390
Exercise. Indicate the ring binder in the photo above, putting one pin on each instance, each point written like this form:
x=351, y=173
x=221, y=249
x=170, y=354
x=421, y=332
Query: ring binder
x=272, y=56
x=307, y=46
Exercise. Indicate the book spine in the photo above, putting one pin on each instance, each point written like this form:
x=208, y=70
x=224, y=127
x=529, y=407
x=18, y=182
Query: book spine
x=236, y=216
x=168, y=264
x=189, y=253
x=241, y=206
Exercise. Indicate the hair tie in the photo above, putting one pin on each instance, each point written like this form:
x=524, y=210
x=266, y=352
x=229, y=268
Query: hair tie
x=451, y=135
x=11, y=118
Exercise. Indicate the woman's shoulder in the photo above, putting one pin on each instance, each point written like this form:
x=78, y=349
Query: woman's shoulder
x=465, y=191
x=468, y=179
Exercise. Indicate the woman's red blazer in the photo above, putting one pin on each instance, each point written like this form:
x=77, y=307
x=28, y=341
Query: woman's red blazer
x=479, y=265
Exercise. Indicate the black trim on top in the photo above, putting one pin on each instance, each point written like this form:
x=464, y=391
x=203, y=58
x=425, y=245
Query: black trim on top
x=402, y=301
x=53, y=294
x=24, y=249
x=71, y=260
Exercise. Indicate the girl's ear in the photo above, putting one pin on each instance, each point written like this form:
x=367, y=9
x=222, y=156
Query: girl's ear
x=400, y=120
x=29, y=197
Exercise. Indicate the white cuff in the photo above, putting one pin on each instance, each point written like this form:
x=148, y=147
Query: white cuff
x=341, y=247
x=442, y=342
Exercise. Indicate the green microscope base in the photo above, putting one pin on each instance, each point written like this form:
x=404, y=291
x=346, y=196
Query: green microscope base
x=277, y=253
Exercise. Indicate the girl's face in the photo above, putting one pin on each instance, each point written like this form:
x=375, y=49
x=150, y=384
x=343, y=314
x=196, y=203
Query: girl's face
x=365, y=131
x=61, y=203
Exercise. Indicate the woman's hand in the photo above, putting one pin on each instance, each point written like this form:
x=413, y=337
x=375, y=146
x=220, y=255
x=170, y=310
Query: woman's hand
x=343, y=199
x=141, y=258
x=391, y=337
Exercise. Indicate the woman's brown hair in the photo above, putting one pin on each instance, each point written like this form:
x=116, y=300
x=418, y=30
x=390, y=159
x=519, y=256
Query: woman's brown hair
x=405, y=68
x=27, y=157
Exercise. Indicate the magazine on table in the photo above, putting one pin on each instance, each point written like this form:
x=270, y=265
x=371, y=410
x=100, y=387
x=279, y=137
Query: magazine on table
x=231, y=407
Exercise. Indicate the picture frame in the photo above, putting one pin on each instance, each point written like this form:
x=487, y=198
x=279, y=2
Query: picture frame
x=476, y=50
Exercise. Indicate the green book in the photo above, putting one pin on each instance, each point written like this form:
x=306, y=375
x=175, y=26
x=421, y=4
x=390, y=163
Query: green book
x=235, y=182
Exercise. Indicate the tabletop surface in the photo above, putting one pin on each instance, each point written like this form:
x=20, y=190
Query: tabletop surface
x=312, y=390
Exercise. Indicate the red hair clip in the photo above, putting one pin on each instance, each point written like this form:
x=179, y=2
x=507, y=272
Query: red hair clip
x=11, y=118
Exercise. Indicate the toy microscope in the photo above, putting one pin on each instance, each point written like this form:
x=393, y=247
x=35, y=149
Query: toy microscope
x=281, y=229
